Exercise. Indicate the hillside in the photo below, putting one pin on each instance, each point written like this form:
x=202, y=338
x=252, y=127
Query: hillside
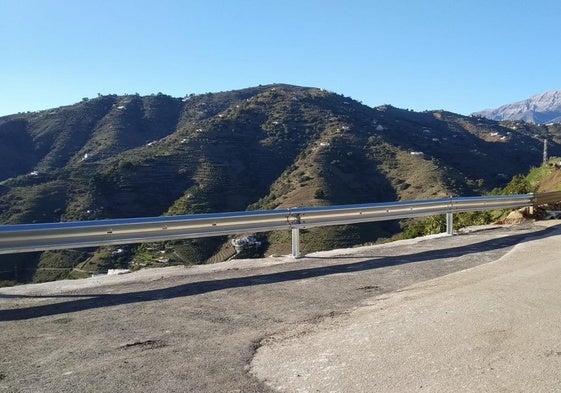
x=540, y=109
x=258, y=148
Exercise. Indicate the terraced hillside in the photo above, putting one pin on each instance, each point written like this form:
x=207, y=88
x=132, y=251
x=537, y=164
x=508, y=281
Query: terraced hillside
x=258, y=148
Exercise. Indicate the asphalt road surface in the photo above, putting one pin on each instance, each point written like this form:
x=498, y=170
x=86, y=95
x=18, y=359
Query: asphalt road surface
x=252, y=325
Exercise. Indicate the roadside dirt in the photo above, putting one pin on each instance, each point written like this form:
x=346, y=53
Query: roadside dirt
x=197, y=329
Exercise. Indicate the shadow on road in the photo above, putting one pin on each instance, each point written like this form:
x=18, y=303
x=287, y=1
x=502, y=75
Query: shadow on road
x=84, y=301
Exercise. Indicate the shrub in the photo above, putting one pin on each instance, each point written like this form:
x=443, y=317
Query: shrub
x=319, y=193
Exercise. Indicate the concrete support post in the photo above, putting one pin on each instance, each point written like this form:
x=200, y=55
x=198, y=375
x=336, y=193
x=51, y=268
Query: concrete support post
x=449, y=223
x=296, y=243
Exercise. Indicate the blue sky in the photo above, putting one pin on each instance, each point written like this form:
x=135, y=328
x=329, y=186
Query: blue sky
x=457, y=55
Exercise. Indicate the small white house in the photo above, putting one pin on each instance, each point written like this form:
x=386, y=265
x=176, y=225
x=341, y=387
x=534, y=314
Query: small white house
x=248, y=241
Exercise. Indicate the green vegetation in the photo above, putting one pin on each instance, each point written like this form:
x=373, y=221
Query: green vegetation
x=519, y=184
x=437, y=224
x=537, y=175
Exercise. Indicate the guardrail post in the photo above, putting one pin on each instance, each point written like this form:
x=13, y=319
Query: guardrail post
x=296, y=243
x=449, y=223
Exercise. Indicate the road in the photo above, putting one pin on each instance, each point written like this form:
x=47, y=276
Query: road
x=198, y=329
x=494, y=328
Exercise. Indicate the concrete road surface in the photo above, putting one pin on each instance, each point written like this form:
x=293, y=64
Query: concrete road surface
x=492, y=328
x=475, y=312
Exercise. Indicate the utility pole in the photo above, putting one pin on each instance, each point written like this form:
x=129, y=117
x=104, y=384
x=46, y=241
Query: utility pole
x=545, y=151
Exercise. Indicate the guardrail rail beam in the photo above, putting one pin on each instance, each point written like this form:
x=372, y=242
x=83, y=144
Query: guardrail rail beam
x=64, y=235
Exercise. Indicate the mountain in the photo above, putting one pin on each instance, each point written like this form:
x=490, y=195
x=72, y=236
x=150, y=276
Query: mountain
x=540, y=109
x=265, y=147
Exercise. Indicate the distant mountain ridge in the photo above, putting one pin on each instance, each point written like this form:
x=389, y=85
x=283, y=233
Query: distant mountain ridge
x=260, y=148
x=539, y=109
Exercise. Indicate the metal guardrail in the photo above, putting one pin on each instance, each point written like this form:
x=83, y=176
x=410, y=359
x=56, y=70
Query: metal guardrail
x=546, y=198
x=64, y=235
